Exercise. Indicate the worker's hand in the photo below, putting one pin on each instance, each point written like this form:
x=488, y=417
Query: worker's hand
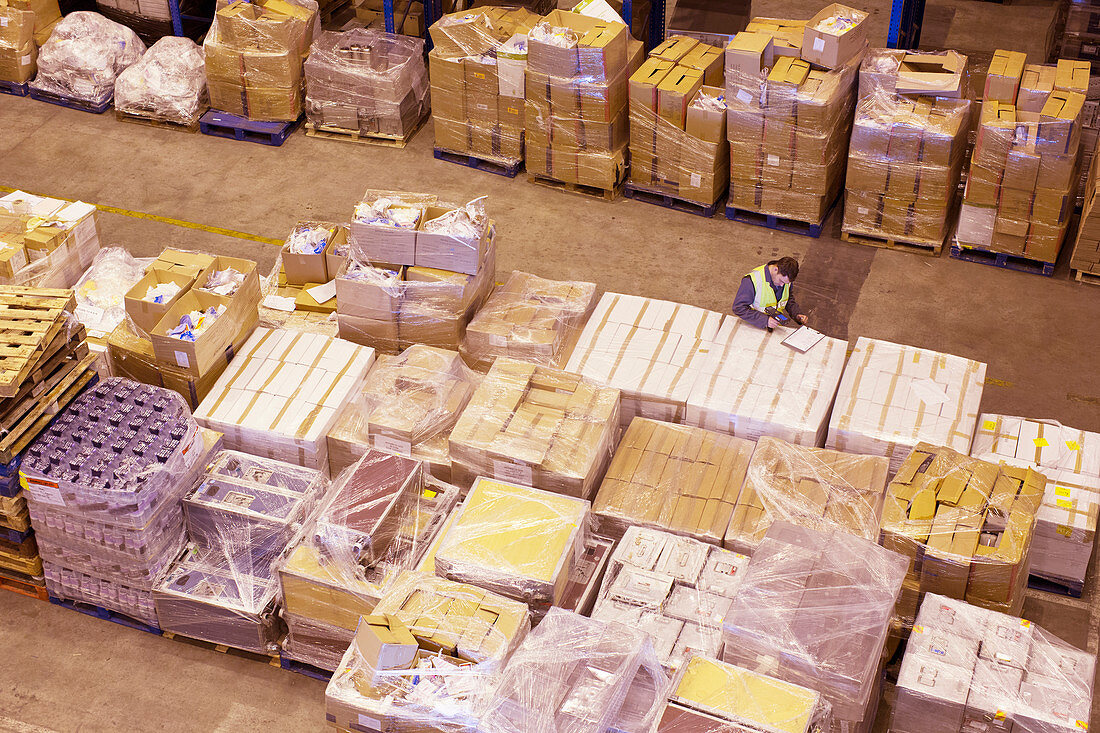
x=772, y=323
x=801, y=318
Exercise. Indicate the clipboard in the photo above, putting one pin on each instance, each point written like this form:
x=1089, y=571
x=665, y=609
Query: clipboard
x=803, y=339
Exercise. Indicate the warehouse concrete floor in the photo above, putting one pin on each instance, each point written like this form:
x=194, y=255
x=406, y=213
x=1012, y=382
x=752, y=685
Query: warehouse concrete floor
x=63, y=671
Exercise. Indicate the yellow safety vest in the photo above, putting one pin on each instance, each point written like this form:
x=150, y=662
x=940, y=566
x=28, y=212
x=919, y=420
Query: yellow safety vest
x=765, y=296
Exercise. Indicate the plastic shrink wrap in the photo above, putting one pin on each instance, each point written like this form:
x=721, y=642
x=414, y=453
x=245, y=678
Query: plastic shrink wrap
x=44, y=242
x=1086, y=248
x=674, y=588
x=529, y=318
x=254, y=54
x=1065, y=527
x=673, y=477
x=537, y=426
x=969, y=669
x=790, y=112
x=1022, y=183
x=408, y=406
x=101, y=290
x=103, y=487
x=892, y=397
x=908, y=146
x=813, y=610
x=677, y=105
x=18, y=52
x=965, y=526
x=477, y=70
x=367, y=82
x=296, y=293
x=378, y=519
x=168, y=84
x=85, y=54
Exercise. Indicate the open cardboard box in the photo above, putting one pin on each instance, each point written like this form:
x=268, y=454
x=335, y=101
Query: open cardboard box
x=823, y=48
x=939, y=75
x=312, y=268
x=180, y=261
x=199, y=356
x=249, y=290
x=443, y=251
x=145, y=313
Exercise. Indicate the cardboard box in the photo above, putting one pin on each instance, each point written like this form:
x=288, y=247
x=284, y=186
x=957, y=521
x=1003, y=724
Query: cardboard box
x=829, y=48
x=385, y=643
x=708, y=59
x=301, y=269
x=146, y=313
x=675, y=92
x=674, y=48
x=939, y=75
x=1072, y=75
x=643, y=83
x=704, y=122
x=1036, y=85
x=747, y=55
x=184, y=262
x=1003, y=77
x=199, y=356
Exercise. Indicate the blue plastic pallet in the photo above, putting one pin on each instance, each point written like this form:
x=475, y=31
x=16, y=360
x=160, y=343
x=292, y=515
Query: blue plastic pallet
x=779, y=223
x=223, y=124
x=508, y=170
x=293, y=665
x=9, y=486
x=649, y=196
x=1060, y=587
x=10, y=87
x=106, y=614
x=70, y=102
x=15, y=536
x=1000, y=259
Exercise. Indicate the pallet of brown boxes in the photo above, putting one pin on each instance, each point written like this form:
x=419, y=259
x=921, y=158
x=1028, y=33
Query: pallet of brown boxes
x=790, y=89
x=254, y=55
x=417, y=271
x=1022, y=185
x=678, y=145
x=476, y=69
x=143, y=346
x=18, y=53
x=1086, y=250
x=908, y=148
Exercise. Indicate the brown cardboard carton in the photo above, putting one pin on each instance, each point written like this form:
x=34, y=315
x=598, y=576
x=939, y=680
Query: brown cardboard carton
x=385, y=642
x=602, y=101
x=939, y=75
x=709, y=60
x=675, y=92
x=300, y=269
x=828, y=49
x=1072, y=75
x=146, y=314
x=643, y=83
x=1003, y=78
x=747, y=55
x=705, y=123
x=1036, y=84
x=451, y=134
x=182, y=262
x=1059, y=128
x=674, y=48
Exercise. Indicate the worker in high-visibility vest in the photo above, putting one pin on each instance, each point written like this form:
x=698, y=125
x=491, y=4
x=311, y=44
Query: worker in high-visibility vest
x=768, y=286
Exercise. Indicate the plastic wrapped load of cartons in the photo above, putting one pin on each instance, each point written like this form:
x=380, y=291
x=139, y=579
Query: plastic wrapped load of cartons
x=965, y=526
x=103, y=488
x=529, y=318
x=675, y=589
x=476, y=69
x=678, y=143
x=18, y=52
x=1022, y=184
x=85, y=54
x=514, y=540
x=379, y=518
x=537, y=426
x=1086, y=249
x=570, y=674
x=426, y=658
x=892, y=397
x=673, y=477
x=47, y=13
x=814, y=609
x=908, y=146
x=280, y=396
x=408, y=406
x=650, y=350
x=576, y=90
x=100, y=298
x=752, y=385
x=790, y=92
x=968, y=669
x=709, y=696
x=368, y=82
x=45, y=242
x=168, y=84
x=371, y=14
x=1065, y=527
x=254, y=54
x=812, y=487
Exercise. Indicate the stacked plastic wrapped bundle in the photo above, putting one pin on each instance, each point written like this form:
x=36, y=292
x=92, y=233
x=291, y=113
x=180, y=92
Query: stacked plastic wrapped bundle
x=84, y=56
x=17, y=48
x=168, y=84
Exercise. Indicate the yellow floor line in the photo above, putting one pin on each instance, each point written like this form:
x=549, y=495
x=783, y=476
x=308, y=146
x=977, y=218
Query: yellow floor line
x=168, y=220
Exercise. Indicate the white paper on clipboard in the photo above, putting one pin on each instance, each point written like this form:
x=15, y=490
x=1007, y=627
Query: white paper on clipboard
x=803, y=339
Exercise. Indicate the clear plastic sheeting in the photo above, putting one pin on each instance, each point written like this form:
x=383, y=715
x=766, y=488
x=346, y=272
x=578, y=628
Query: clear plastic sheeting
x=85, y=54
x=965, y=526
x=18, y=52
x=45, y=242
x=683, y=479
x=517, y=541
x=366, y=81
x=813, y=610
x=529, y=318
x=675, y=589
x=168, y=84
x=570, y=675
x=709, y=696
x=537, y=426
x=408, y=406
x=101, y=291
x=892, y=397
x=1086, y=248
x=969, y=669
x=812, y=487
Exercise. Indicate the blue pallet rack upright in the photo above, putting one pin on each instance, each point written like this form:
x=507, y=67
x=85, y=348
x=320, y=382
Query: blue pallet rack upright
x=906, y=18
x=433, y=11
x=656, y=20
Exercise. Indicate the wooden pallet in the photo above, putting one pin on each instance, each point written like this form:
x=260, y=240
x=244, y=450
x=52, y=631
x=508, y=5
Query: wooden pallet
x=38, y=412
x=156, y=122
x=328, y=132
x=30, y=319
x=24, y=585
x=1086, y=277
x=270, y=659
x=577, y=188
x=916, y=246
x=23, y=565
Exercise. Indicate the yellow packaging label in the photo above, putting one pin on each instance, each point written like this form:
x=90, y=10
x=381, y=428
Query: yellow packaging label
x=1041, y=442
x=1065, y=531
x=989, y=425
x=1065, y=503
x=1062, y=491
x=1073, y=445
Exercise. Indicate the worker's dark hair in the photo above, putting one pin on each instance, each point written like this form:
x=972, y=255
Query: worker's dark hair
x=788, y=267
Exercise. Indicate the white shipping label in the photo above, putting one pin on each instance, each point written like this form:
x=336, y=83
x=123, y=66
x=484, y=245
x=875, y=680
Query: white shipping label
x=928, y=392
x=279, y=303
x=182, y=359
x=773, y=159
x=743, y=96
x=819, y=44
x=323, y=293
x=26, y=59
x=45, y=493
x=89, y=315
x=863, y=210
x=393, y=445
x=495, y=339
x=696, y=180
x=370, y=723
x=512, y=472
x=3, y=22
